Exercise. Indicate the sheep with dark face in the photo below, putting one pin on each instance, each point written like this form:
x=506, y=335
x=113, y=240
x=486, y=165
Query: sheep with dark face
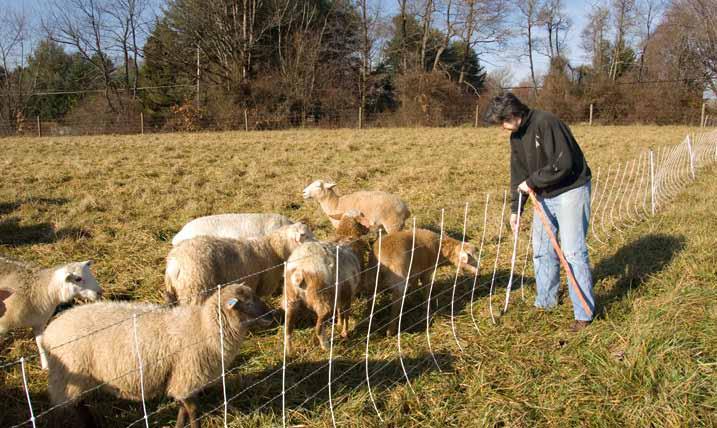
x=380, y=208
x=35, y=293
x=93, y=346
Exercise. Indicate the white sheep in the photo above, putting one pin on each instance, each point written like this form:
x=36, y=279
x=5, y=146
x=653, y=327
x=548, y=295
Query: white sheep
x=381, y=208
x=93, y=346
x=235, y=226
x=36, y=293
x=196, y=265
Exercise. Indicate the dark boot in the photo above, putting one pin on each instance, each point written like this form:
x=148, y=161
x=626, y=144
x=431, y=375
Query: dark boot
x=579, y=325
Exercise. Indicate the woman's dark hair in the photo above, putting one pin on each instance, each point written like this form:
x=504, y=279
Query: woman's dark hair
x=504, y=107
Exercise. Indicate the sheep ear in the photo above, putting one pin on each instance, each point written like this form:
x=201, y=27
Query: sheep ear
x=5, y=294
x=232, y=302
x=336, y=216
x=364, y=220
x=329, y=185
x=88, y=263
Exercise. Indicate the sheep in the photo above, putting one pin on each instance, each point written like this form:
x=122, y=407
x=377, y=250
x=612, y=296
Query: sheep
x=4, y=295
x=93, y=347
x=311, y=277
x=395, y=253
x=381, y=208
x=235, y=226
x=36, y=293
x=198, y=264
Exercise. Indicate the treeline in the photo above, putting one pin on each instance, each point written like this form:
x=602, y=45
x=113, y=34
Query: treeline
x=203, y=64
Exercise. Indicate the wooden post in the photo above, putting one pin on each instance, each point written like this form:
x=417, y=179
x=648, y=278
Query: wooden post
x=360, y=118
x=591, y=115
x=477, y=114
x=702, y=120
x=246, y=120
x=652, y=180
x=39, y=129
x=141, y=123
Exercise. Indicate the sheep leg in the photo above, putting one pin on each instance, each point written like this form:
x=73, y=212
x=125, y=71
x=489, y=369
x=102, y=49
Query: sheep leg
x=181, y=416
x=190, y=409
x=345, y=315
x=85, y=416
x=291, y=307
x=396, y=294
x=319, y=329
x=38, y=339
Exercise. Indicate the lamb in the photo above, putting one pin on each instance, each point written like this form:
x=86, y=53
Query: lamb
x=395, y=258
x=36, y=293
x=311, y=277
x=93, y=346
x=381, y=208
x=235, y=226
x=196, y=265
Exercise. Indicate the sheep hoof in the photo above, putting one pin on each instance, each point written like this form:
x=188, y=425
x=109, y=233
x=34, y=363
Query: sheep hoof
x=391, y=332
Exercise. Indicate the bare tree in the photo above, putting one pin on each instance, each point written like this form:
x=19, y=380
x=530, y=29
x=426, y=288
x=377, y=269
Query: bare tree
x=699, y=24
x=594, y=36
x=648, y=14
x=426, y=19
x=370, y=20
x=128, y=22
x=403, y=13
x=449, y=31
x=624, y=20
x=553, y=18
x=483, y=28
x=83, y=25
x=529, y=10
x=14, y=35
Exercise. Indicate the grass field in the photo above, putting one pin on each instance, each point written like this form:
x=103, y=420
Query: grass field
x=649, y=359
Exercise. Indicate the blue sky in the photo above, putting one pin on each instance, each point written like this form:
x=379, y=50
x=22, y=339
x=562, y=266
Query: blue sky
x=577, y=10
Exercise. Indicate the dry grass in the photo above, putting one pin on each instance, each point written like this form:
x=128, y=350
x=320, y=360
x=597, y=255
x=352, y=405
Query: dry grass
x=650, y=358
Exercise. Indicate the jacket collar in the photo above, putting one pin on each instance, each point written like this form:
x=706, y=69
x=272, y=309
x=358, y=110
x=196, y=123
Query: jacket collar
x=526, y=121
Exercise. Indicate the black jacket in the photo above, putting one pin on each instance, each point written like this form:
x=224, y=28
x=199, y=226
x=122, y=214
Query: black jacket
x=544, y=152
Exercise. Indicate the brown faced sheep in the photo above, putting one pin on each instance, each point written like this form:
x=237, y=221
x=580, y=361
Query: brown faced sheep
x=36, y=293
x=312, y=281
x=381, y=208
x=396, y=255
x=93, y=346
x=196, y=265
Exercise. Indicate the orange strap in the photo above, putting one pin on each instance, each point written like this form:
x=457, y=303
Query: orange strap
x=546, y=225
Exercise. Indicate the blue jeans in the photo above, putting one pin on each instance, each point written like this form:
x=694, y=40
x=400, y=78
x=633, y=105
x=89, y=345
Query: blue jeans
x=569, y=215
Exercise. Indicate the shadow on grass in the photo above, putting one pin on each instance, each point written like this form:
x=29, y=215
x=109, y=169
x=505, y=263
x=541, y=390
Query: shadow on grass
x=8, y=207
x=634, y=263
x=13, y=233
x=307, y=382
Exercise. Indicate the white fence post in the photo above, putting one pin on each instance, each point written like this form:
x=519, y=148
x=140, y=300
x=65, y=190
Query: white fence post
x=141, y=368
x=27, y=391
x=430, y=293
x=370, y=321
x=400, y=314
x=691, y=155
x=455, y=281
x=652, y=180
x=221, y=350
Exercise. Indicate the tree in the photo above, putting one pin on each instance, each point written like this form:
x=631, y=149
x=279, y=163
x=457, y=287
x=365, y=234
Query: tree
x=529, y=10
x=624, y=21
x=556, y=22
x=594, y=39
x=14, y=86
x=84, y=26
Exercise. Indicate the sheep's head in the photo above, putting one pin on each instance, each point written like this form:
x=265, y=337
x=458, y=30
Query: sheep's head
x=318, y=189
x=466, y=257
x=297, y=233
x=242, y=308
x=352, y=223
x=76, y=279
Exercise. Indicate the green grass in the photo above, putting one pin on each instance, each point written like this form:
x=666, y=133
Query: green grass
x=649, y=359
